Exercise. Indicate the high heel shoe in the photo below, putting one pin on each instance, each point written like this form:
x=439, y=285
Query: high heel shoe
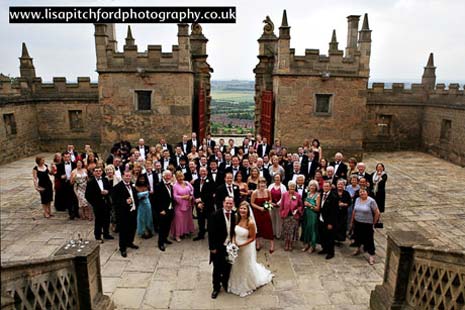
x=305, y=249
x=271, y=251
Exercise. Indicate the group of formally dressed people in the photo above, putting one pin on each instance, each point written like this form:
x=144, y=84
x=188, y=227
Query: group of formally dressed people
x=161, y=189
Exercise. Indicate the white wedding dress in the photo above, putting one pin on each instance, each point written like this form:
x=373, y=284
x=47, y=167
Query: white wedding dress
x=246, y=274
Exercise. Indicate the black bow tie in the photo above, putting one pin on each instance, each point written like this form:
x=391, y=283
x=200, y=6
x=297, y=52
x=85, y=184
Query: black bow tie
x=99, y=179
x=67, y=163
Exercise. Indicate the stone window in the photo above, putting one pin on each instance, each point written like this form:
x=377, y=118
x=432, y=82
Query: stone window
x=323, y=104
x=144, y=100
x=75, y=120
x=384, y=124
x=446, y=126
x=10, y=123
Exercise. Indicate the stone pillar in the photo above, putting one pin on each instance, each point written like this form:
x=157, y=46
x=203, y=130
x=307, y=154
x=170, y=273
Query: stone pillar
x=88, y=275
x=399, y=258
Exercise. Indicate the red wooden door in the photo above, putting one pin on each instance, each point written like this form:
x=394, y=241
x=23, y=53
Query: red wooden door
x=201, y=114
x=266, y=117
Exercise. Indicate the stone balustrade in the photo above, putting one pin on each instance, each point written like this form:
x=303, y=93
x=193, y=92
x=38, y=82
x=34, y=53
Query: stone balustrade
x=69, y=280
x=418, y=276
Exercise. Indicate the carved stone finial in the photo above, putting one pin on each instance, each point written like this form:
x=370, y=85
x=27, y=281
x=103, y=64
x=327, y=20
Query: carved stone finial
x=269, y=26
x=196, y=28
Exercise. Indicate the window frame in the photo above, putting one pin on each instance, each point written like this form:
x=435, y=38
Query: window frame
x=330, y=104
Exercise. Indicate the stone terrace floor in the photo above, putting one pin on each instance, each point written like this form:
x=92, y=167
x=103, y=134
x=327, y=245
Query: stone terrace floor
x=424, y=193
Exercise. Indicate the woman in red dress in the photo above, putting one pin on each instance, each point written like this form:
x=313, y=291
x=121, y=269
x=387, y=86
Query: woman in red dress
x=262, y=215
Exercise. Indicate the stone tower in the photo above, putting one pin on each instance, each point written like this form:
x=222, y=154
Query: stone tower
x=26, y=67
x=142, y=94
x=323, y=94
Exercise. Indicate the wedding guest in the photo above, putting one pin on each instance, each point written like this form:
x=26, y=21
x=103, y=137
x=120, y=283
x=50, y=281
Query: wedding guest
x=263, y=172
x=215, y=174
x=90, y=161
x=227, y=189
x=42, y=184
x=361, y=167
x=252, y=181
x=136, y=172
x=277, y=189
x=275, y=168
x=344, y=201
x=59, y=193
x=143, y=149
x=323, y=166
x=319, y=178
x=290, y=212
x=79, y=179
x=69, y=199
x=352, y=168
x=365, y=215
x=310, y=218
x=277, y=147
x=351, y=188
x=164, y=207
x=97, y=193
x=112, y=181
x=243, y=188
x=183, y=194
x=317, y=150
x=379, y=178
x=262, y=215
x=327, y=220
x=340, y=168
x=193, y=155
x=144, y=209
x=125, y=200
x=204, y=190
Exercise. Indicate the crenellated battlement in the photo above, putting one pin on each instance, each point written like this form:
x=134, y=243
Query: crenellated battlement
x=153, y=59
x=353, y=63
x=453, y=89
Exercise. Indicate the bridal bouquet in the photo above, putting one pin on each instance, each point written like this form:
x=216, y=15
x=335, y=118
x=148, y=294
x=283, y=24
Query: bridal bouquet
x=268, y=205
x=232, y=250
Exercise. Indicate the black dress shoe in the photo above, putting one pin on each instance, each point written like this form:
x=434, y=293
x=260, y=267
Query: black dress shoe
x=133, y=246
x=168, y=242
x=124, y=254
x=198, y=238
x=162, y=248
x=215, y=294
x=329, y=256
x=322, y=252
x=108, y=237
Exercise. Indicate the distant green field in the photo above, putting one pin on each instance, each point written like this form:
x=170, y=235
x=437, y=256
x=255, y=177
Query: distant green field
x=237, y=96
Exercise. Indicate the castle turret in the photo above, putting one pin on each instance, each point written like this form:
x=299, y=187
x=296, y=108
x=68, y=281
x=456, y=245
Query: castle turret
x=352, y=33
x=101, y=42
x=184, y=47
x=284, y=44
x=364, y=45
x=429, y=74
x=26, y=67
x=130, y=42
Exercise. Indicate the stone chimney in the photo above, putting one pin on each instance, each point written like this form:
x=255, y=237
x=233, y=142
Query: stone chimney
x=352, y=34
x=26, y=67
x=429, y=74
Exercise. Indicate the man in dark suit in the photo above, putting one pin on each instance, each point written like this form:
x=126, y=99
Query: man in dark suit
x=220, y=232
x=192, y=173
x=97, y=194
x=64, y=170
x=74, y=156
x=236, y=167
x=142, y=148
x=210, y=142
x=226, y=163
x=263, y=172
x=184, y=145
x=340, y=169
x=309, y=166
x=263, y=148
x=165, y=208
x=204, y=189
x=166, y=146
x=293, y=173
x=178, y=154
x=233, y=150
x=327, y=220
x=125, y=201
x=166, y=160
x=215, y=174
x=227, y=189
x=363, y=174
x=193, y=142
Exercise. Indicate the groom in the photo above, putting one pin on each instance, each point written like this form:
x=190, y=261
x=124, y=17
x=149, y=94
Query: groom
x=220, y=232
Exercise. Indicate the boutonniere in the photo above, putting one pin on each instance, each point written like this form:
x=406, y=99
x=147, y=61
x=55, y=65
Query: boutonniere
x=294, y=197
x=134, y=186
x=235, y=187
x=207, y=180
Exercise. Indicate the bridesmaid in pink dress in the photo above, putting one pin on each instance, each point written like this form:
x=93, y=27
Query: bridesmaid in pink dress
x=183, y=223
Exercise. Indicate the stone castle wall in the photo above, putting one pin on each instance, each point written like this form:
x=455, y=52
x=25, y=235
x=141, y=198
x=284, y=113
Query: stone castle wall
x=340, y=130
x=416, y=120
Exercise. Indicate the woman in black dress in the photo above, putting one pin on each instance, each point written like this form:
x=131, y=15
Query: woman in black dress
x=379, y=178
x=344, y=201
x=43, y=185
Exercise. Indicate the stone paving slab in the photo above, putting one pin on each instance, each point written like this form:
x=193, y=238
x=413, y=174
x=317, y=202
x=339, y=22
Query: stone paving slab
x=418, y=198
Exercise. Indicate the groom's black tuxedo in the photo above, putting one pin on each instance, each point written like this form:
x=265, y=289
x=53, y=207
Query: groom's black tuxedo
x=217, y=233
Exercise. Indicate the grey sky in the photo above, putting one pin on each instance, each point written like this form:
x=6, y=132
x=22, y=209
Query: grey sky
x=404, y=33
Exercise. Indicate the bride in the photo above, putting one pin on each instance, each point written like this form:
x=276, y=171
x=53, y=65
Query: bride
x=246, y=274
